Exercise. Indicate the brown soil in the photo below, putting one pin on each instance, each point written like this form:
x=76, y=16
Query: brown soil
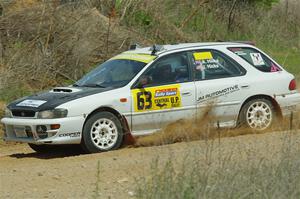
x=71, y=174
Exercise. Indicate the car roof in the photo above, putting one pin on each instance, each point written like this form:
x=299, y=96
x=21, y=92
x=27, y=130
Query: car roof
x=182, y=46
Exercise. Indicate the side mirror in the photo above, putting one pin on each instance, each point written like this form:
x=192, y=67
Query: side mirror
x=143, y=81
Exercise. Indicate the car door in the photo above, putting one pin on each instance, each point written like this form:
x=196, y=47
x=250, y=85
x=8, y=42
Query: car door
x=219, y=84
x=168, y=94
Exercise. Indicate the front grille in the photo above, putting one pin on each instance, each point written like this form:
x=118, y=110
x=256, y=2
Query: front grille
x=23, y=113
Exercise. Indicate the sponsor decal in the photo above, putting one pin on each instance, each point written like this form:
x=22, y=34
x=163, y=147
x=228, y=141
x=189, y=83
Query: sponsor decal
x=199, y=56
x=257, y=59
x=274, y=68
x=166, y=92
x=211, y=64
x=156, y=98
x=205, y=60
x=31, y=103
x=76, y=134
x=218, y=93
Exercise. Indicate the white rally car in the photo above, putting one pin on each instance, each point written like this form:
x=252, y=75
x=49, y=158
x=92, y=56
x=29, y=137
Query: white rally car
x=142, y=90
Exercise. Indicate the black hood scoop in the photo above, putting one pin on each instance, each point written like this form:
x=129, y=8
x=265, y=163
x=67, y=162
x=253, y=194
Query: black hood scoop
x=65, y=90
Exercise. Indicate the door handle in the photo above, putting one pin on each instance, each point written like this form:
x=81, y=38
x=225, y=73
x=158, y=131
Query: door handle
x=187, y=93
x=245, y=86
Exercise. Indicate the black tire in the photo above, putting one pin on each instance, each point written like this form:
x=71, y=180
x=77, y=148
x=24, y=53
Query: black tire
x=102, y=132
x=41, y=148
x=257, y=114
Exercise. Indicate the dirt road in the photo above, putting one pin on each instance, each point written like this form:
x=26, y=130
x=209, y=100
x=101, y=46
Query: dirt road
x=69, y=174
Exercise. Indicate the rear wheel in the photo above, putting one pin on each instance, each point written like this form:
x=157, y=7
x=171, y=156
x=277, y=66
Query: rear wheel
x=257, y=114
x=102, y=132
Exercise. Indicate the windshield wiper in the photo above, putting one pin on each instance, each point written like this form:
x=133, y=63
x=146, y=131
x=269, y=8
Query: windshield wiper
x=93, y=85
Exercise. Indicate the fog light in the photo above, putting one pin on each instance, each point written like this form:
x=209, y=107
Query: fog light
x=54, y=126
x=41, y=129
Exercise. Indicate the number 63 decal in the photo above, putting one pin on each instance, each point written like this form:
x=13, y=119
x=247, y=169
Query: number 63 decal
x=144, y=100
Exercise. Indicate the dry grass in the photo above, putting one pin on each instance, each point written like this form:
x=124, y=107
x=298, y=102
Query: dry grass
x=46, y=44
x=297, y=120
x=229, y=175
x=2, y=107
x=17, y=6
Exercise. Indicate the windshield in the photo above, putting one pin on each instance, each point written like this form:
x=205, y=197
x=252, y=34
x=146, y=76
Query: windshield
x=112, y=73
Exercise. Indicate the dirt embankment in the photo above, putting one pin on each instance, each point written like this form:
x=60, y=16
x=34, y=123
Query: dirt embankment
x=70, y=174
x=47, y=43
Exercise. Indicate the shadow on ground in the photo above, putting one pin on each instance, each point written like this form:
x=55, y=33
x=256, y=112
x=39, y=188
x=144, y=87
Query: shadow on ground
x=59, y=152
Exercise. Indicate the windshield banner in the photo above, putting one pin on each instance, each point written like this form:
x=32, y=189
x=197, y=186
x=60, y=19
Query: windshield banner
x=135, y=57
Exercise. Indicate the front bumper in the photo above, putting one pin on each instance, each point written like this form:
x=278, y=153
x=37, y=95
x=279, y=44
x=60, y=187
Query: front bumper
x=289, y=103
x=25, y=130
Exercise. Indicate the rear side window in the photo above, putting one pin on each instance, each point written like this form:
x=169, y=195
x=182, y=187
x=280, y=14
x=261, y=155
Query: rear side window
x=212, y=64
x=256, y=59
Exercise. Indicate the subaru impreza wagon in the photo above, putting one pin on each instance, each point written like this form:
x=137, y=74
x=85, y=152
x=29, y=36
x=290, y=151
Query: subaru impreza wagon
x=142, y=90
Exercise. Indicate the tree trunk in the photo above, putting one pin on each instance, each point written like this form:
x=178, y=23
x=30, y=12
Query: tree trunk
x=286, y=10
x=1, y=51
x=231, y=16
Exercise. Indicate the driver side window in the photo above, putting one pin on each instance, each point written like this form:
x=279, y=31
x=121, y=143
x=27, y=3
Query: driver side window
x=168, y=70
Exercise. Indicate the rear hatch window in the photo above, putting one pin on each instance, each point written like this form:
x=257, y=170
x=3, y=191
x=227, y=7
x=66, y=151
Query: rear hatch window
x=256, y=59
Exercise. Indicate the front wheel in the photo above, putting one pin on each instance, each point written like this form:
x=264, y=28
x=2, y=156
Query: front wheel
x=102, y=132
x=257, y=114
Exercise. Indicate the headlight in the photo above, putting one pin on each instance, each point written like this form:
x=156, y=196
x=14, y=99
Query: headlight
x=51, y=114
x=7, y=113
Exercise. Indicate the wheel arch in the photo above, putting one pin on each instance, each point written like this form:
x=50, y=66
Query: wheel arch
x=260, y=96
x=121, y=117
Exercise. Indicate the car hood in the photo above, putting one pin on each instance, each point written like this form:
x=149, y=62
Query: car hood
x=51, y=99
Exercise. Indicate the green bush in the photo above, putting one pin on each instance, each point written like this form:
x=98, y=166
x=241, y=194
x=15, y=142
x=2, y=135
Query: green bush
x=13, y=92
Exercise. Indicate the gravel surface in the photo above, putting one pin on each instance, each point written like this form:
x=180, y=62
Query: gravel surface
x=71, y=174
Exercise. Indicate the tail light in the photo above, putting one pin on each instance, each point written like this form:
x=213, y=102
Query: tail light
x=293, y=85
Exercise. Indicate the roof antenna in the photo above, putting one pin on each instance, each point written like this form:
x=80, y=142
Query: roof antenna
x=155, y=48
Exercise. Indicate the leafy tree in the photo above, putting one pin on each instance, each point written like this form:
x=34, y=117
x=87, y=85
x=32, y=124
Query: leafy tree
x=235, y=5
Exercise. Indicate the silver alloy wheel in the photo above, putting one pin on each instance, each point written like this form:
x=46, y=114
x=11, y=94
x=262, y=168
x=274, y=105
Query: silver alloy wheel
x=259, y=115
x=104, y=133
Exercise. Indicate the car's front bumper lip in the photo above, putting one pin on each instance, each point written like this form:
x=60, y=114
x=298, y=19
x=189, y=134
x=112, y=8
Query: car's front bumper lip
x=68, y=133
